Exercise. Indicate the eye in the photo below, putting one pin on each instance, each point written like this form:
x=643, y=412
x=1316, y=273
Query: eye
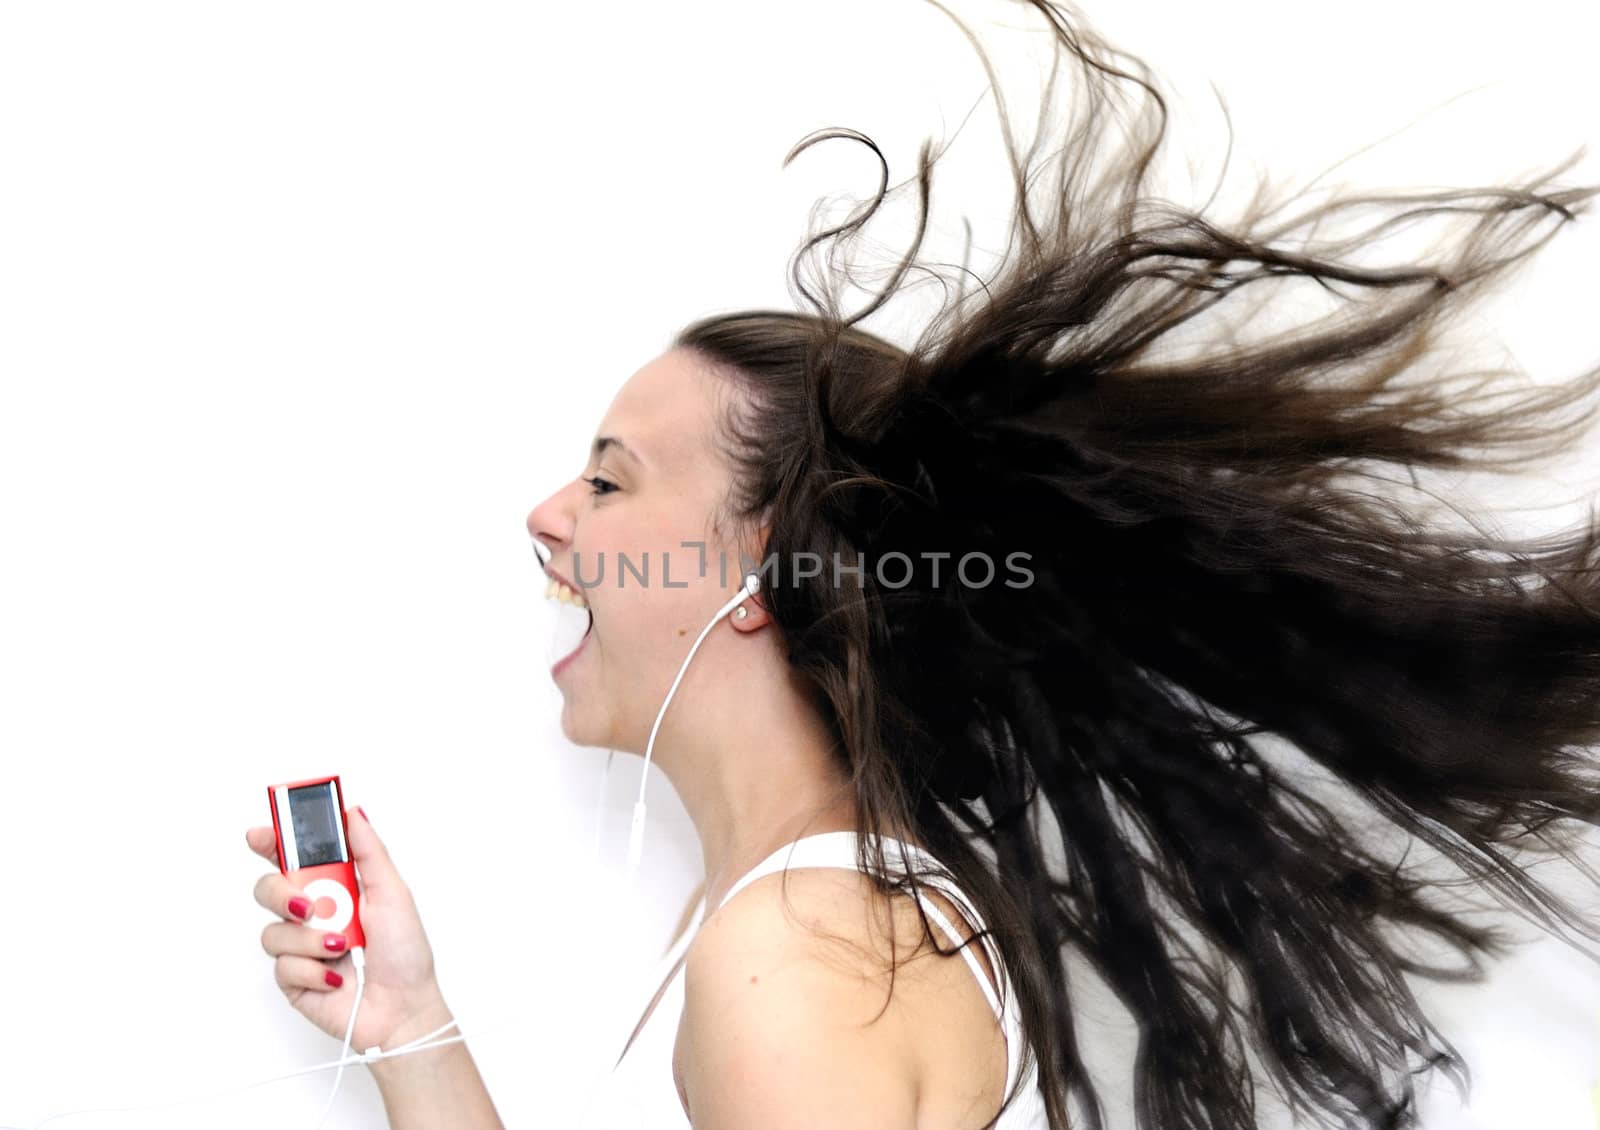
x=597, y=483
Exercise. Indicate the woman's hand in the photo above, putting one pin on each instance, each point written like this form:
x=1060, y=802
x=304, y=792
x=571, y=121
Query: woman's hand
x=402, y=999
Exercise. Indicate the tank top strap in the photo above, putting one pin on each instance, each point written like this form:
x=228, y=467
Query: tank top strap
x=821, y=849
x=939, y=877
x=1004, y=1005
x=838, y=849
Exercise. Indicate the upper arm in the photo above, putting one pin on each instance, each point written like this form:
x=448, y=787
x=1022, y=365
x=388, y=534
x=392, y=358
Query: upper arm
x=781, y=1029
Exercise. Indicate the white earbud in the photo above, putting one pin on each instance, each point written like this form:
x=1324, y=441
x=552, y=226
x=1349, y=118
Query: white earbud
x=751, y=586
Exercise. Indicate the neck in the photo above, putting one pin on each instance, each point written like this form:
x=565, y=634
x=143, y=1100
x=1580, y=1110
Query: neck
x=770, y=776
x=751, y=820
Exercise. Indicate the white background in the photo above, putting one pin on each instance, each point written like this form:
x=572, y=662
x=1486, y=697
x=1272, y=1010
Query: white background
x=303, y=306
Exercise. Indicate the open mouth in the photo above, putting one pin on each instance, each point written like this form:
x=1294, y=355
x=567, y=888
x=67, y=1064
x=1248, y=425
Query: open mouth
x=570, y=631
x=561, y=664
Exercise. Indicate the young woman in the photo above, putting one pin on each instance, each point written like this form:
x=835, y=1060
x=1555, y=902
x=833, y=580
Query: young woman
x=1089, y=625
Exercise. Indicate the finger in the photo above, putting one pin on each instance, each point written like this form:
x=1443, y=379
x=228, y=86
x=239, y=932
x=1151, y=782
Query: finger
x=279, y=938
x=292, y=972
x=274, y=891
x=372, y=860
x=263, y=841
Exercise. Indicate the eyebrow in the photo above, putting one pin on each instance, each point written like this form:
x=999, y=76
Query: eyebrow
x=603, y=442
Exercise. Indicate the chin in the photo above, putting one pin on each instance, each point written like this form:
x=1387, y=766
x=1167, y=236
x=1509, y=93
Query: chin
x=571, y=727
x=581, y=731
x=574, y=729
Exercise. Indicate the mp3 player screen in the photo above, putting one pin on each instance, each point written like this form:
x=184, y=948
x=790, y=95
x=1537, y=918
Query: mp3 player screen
x=316, y=825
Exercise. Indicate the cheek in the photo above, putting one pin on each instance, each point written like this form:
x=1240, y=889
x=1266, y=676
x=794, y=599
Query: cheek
x=646, y=629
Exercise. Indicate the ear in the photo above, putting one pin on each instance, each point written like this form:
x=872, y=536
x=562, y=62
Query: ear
x=755, y=613
x=763, y=533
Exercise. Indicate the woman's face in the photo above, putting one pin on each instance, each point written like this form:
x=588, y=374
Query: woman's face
x=617, y=534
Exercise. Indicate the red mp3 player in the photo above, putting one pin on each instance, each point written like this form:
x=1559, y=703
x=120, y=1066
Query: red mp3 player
x=314, y=852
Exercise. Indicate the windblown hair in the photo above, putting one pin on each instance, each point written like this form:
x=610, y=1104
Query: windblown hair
x=1244, y=673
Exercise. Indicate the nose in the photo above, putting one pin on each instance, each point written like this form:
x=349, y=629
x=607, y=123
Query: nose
x=550, y=523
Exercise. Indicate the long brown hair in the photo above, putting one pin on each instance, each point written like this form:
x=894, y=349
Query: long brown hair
x=1237, y=637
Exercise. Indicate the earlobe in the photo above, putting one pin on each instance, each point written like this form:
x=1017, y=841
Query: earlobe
x=749, y=616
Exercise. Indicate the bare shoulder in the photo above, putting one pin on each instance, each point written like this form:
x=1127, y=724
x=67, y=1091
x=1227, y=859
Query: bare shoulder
x=784, y=1019
x=789, y=1019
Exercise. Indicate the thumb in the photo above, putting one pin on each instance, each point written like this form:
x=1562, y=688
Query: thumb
x=372, y=860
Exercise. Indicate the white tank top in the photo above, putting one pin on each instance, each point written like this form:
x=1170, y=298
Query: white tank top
x=640, y=1093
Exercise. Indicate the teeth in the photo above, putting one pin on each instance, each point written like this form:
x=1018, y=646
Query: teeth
x=557, y=591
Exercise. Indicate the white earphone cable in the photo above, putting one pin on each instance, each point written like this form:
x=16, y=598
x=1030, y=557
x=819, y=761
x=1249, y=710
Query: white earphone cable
x=752, y=584
x=358, y=958
x=421, y=1043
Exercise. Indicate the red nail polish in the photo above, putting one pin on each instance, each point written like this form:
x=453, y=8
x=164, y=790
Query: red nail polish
x=300, y=907
x=363, y=813
x=334, y=942
x=333, y=978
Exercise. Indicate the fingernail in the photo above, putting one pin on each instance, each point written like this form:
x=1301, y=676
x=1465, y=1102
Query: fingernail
x=333, y=978
x=300, y=907
x=334, y=942
x=363, y=813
